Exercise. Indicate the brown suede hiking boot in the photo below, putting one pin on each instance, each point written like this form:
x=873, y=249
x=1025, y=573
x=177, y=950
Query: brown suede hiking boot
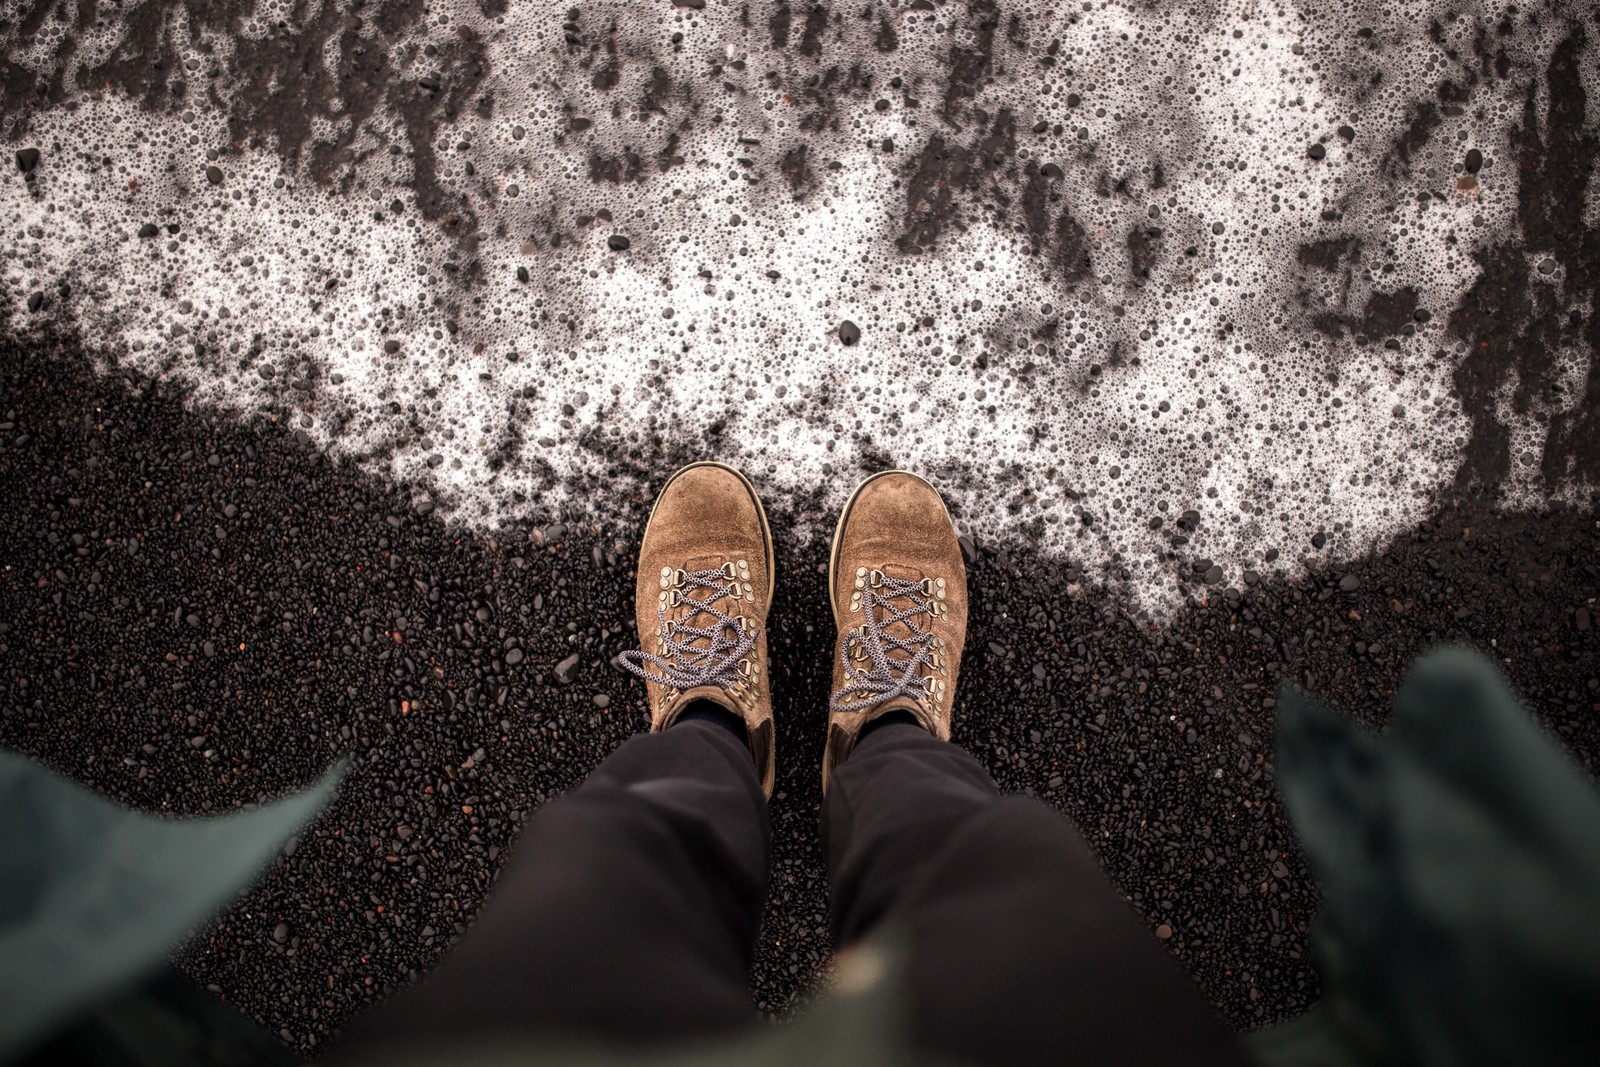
x=899, y=591
x=703, y=589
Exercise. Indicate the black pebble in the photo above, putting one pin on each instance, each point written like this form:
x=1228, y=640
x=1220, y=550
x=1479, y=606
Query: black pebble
x=1350, y=583
x=1347, y=132
x=849, y=332
x=1319, y=539
x=214, y=175
x=27, y=159
x=1050, y=170
x=35, y=301
x=618, y=243
x=522, y=274
x=1317, y=151
x=148, y=230
x=567, y=669
x=1474, y=161
x=513, y=656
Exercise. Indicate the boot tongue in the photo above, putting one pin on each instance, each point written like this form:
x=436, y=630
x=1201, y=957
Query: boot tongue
x=690, y=616
x=901, y=630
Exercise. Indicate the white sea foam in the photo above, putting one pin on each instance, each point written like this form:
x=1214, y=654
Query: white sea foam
x=1202, y=386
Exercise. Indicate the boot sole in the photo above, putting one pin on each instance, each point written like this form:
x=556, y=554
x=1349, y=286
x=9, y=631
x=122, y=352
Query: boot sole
x=844, y=515
x=755, y=498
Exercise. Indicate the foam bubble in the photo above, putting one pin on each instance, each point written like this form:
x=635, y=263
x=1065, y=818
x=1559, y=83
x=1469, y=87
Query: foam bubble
x=1143, y=287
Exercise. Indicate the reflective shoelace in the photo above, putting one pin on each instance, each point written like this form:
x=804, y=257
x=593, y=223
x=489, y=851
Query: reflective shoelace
x=715, y=661
x=885, y=678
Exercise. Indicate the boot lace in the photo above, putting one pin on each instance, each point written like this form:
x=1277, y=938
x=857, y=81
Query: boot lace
x=697, y=655
x=880, y=677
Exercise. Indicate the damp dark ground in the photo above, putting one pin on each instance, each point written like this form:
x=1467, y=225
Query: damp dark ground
x=197, y=613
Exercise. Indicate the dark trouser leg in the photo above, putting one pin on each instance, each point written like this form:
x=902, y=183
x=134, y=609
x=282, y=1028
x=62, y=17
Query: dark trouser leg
x=628, y=907
x=1020, y=951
